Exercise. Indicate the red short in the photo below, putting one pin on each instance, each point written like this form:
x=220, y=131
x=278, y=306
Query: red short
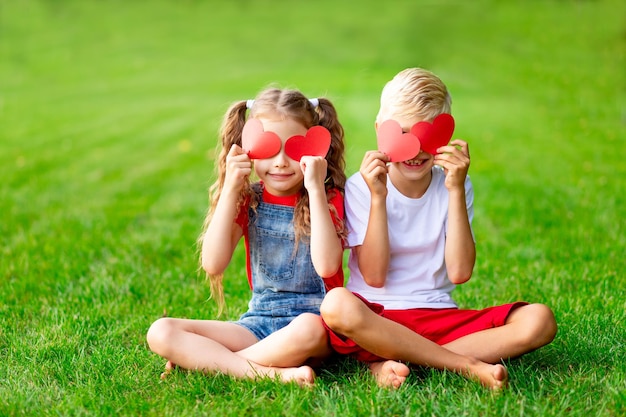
x=440, y=325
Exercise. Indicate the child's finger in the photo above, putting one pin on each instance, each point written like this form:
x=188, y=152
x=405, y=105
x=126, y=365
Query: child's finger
x=448, y=157
x=235, y=150
x=375, y=165
x=378, y=171
x=462, y=144
x=456, y=145
x=459, y=156
x=374, y=156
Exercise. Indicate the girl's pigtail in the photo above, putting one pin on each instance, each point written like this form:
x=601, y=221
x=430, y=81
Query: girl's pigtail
x=230, y=134
x=336, y=177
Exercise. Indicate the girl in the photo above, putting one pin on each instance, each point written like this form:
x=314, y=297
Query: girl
x=291, y=220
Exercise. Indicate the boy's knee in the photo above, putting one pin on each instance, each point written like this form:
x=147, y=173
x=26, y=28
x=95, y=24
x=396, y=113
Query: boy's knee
x=549, y=327
x=333, y=303
x=541, y=325
x=340, y=311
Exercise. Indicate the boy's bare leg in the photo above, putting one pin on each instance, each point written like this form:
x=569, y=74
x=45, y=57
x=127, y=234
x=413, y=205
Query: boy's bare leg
x=209, y=346
x=349, y=316
x=389, y=373
x=527, y=328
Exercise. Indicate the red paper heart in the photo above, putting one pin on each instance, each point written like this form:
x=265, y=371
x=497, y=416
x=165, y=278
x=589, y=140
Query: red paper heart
x=315, y=143
x=436, y=134
x=398, y=146
x=257, y=143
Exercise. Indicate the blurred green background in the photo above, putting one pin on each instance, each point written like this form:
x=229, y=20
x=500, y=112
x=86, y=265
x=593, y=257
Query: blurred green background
x=109, y=112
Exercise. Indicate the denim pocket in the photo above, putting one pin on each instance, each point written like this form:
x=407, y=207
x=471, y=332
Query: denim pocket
x=276, y=255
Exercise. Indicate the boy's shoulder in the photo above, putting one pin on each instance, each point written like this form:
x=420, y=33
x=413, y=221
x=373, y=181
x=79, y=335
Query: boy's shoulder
x=355, y=180
x=355, y=176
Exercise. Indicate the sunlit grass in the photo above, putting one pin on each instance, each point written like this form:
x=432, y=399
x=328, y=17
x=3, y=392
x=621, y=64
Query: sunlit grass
x=108, y=121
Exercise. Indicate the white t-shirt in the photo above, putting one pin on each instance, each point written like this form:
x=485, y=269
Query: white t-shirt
x=417, y=276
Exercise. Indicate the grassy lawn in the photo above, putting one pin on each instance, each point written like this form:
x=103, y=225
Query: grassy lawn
x=108, y=118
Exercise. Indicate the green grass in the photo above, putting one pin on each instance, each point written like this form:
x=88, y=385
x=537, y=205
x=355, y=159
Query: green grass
x=108, y=119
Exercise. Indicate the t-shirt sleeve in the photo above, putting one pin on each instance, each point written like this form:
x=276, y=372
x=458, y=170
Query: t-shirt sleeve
x=469, y=199
x=357, y=202
x=469, y=203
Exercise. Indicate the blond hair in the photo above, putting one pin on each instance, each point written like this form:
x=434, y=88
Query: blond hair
x=279, y=104
x=414, y=93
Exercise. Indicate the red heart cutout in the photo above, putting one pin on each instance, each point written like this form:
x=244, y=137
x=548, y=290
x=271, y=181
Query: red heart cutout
x=398, y=146
x=257, y=143
x=436, y=134
x=315, y=143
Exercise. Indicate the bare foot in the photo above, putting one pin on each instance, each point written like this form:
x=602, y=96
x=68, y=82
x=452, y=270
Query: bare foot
x=303, y=376
x=491, y=376
x=390, y=374
x=169, y=366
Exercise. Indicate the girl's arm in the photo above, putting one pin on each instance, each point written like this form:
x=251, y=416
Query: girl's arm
x=373, y=255
x=326, y=246
x=223, y=234
x=460, y=250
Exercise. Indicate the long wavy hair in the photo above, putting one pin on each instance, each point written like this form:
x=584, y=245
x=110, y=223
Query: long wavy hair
x=283, y=104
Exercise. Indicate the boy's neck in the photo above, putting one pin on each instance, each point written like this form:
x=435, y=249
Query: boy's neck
x=411, y=188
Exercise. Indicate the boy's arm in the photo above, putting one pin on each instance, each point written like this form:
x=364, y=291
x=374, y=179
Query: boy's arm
x=373, y=254
x=460, y=249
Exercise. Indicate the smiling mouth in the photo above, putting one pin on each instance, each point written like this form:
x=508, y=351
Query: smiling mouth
x=280, y=176
x=415, y=162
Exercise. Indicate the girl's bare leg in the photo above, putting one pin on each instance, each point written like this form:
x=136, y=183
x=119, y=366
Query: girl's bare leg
x=527, y=328
x=303, y=341
x=350, y=317
x=209, y=346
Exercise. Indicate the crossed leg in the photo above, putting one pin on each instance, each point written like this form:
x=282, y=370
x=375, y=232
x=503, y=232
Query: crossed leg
x=215, y=346
x=347, y=315
x=527, y=328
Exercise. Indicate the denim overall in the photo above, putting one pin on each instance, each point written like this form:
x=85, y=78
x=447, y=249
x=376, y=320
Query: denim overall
x=284, y=283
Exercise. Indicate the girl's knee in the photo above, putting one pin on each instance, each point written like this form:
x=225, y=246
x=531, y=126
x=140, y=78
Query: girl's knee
x=308, y=323
x=159, y=333
x=309, y=329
